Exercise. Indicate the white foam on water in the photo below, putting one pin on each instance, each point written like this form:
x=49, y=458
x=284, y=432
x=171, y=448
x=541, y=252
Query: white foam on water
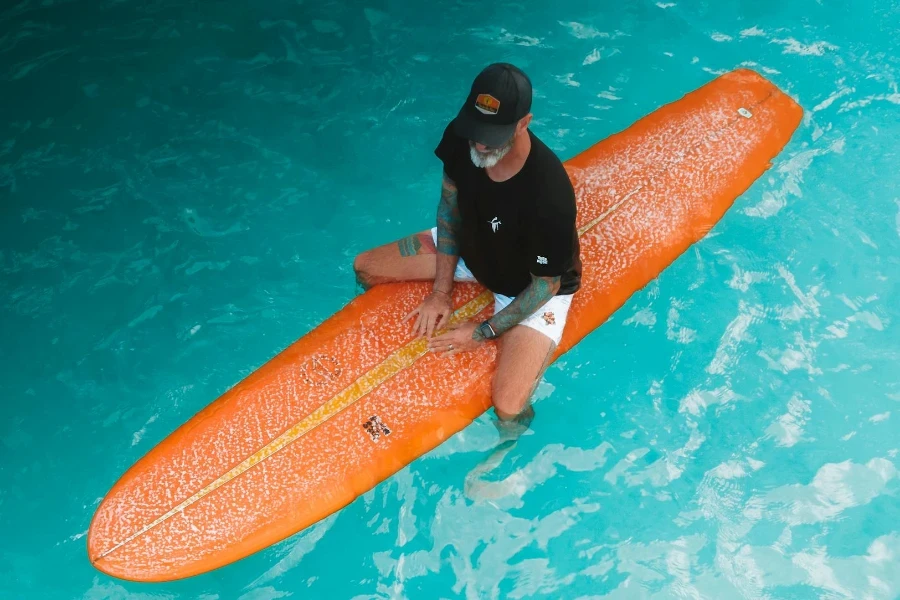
x=674, y=331
x=644, y=316
x=892, y=98
x=839, y=93
x=728, y=470
x=881, y=417
x=138, y=435
x=787, y=430
x=735, y=334
x=836, y=488
x=792, y=46
x=568, y=79
x=592, y=57
x=697, y=401
x=583, y=32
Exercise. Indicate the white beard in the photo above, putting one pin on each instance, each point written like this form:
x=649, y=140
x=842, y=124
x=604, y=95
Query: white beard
x=489, y=159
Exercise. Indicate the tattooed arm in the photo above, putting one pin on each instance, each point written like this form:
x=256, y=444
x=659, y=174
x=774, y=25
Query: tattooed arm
x=538, y=292
x=437, y=307
x=447, y=231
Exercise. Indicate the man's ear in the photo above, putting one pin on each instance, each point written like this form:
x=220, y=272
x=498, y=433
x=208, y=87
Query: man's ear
x=524, y=122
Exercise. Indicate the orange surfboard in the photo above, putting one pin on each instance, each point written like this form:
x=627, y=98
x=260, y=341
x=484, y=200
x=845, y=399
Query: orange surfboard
x=358, y=398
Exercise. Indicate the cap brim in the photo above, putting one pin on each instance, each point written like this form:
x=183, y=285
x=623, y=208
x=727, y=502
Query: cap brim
x=470, y=127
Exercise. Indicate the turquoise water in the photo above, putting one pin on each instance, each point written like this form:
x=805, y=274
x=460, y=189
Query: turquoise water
x=184, y=185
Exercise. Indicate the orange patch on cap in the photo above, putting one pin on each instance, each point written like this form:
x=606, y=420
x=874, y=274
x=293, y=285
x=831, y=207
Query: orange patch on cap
x=549, y=318
x=487, y=104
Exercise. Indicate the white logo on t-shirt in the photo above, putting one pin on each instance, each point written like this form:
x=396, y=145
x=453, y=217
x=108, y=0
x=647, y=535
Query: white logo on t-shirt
x=495, y=224
x=542, y=260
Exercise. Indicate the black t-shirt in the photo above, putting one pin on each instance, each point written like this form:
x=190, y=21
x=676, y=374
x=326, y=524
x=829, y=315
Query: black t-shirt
x=515, y=228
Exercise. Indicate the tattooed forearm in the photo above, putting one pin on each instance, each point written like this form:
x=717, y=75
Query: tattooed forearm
x=447, y=219
x=447, y=228
x=538, y=292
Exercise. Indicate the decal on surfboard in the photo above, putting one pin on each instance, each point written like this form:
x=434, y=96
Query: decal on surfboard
x=375, y=427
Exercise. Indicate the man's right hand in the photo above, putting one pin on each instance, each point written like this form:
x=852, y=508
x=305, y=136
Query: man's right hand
x=433, y=313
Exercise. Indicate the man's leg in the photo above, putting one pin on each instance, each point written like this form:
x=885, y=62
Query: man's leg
x=524, y=354
x=409, y=259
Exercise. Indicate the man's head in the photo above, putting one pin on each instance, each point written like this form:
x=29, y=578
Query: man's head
x=496, y=112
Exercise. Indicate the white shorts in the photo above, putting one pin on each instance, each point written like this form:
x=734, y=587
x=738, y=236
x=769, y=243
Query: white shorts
x=549, y=319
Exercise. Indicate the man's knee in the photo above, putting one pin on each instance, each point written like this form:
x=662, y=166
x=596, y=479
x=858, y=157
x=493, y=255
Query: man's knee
x=362, y=267
x=514, y=422
x=509, y=406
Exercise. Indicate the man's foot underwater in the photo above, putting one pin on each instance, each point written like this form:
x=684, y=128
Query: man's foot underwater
x=511, y=429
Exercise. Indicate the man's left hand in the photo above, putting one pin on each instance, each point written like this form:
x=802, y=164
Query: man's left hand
x=457, y=339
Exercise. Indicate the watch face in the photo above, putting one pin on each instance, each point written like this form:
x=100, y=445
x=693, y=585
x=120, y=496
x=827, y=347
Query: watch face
x=486, y=331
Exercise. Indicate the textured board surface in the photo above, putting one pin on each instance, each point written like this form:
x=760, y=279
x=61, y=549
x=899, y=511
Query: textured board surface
x=356, y=399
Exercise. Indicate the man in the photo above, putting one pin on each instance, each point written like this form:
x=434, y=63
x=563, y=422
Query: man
x=506, y=219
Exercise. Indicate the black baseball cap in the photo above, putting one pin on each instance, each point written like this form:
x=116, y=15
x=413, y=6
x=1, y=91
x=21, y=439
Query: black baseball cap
x=499, y=98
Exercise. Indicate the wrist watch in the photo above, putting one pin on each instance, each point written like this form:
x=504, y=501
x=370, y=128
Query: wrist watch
x=487, y=331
